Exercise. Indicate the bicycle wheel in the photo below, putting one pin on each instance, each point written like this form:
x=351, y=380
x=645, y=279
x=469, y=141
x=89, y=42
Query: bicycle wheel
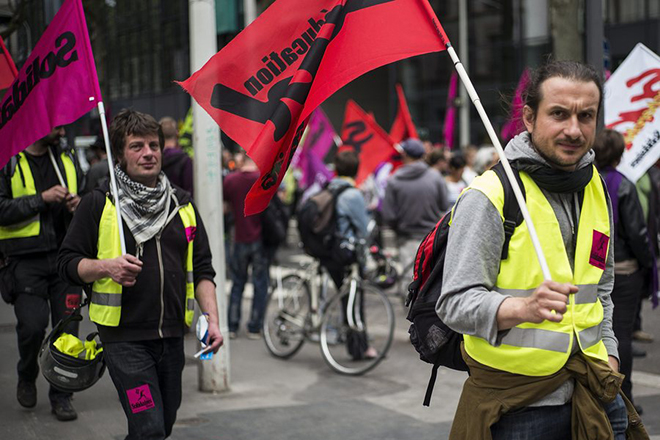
x=371, y=319
x=287, y=313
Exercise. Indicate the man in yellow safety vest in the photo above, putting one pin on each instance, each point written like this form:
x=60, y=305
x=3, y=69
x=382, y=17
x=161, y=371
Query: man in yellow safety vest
x=35, y=210
x=526, y=339
x=142, y=301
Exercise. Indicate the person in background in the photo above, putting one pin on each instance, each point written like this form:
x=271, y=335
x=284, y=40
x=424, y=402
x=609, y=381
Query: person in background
x=177, y=165
x=99, y=171
x=454, y=178
x=632, y=252
x=248, y=250
x=485, y=159
x=415, y=199
x=35, y=212
x=438, y=160
x=648, y=190
x=470, y=154
x=352, y=224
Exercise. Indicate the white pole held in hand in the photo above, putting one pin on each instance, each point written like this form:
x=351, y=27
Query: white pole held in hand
x=57, y=169
x=113, y=181
x=500, y=151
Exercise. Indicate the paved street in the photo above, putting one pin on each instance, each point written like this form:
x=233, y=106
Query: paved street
x=296, y=399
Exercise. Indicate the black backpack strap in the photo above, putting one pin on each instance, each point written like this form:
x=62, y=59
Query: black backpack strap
x=429, y=387
x=511, y=210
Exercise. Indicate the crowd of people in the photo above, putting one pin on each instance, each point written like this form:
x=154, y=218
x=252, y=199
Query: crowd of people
x=599, y=232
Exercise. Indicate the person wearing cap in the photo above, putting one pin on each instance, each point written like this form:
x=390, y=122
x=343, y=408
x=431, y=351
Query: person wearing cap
x=415, y=199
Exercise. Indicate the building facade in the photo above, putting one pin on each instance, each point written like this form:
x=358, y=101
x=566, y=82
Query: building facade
x=141, y=47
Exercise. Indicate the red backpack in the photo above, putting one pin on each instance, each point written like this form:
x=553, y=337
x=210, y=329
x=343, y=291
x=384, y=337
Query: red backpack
x=435, y=342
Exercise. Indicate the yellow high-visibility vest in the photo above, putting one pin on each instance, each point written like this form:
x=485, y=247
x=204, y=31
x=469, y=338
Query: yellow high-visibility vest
x=22, y=185
x=543, y=349
x=105, y=305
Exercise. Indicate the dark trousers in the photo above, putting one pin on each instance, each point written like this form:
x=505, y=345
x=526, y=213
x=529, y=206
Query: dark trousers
x=41, y=296
x=626, y=298
x=243, y=256
x=147, y=376
x=553, y=422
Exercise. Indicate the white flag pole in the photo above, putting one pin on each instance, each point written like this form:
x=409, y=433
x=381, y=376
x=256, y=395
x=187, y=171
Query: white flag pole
x=57, y=169
x=113, y=181
x=500, y=151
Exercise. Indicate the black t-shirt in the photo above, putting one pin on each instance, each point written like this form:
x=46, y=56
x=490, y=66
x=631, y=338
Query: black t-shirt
x=46, y=179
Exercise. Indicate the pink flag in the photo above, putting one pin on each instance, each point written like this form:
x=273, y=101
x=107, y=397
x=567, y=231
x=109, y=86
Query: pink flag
x=514, y=126
x=450, y=114
x=56, y=86
x=318, y=141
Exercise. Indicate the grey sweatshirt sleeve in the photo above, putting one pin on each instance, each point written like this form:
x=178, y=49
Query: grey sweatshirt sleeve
x=468, y=304
x=605, y=287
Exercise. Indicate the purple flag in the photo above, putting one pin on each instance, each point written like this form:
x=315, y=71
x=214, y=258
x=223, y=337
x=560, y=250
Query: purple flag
x=320, y=138
x=315, y=170
x=514, y=126
x=450, y=115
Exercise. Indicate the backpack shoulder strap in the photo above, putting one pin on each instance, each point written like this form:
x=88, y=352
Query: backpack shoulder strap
x=511, y=209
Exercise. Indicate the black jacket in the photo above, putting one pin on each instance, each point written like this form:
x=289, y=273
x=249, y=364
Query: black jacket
x=141, y=304
x=631, y=239
x=16, y=210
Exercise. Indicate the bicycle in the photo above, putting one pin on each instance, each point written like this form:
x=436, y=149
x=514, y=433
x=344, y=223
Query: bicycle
x=389, y=272
x=296, y=313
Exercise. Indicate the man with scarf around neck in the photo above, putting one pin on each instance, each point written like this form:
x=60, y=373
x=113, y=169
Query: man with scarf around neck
x=143, y=301
x=523, y=335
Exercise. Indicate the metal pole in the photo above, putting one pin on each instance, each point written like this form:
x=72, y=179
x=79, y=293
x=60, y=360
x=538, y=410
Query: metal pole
x=500, y=151
x=594, y=40
x=214, y=373
x=462, y=93
x=249, y=11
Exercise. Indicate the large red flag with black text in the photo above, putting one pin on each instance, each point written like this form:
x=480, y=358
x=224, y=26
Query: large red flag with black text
x=262, y=87
x=361, y=131
x=403, y=126
x=8, y=70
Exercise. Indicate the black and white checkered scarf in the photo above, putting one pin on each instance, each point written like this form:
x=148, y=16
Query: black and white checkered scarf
x=143, y=209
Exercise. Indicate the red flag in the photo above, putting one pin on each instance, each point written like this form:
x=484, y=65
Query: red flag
x=361, y=132
x=264, y=84
x=8, y=70
x=402, y=127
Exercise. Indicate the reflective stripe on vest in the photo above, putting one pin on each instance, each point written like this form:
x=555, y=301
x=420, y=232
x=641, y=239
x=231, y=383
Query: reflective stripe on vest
x=105, y=306
x=542, y=349
x=22, y=185
x=190, y=224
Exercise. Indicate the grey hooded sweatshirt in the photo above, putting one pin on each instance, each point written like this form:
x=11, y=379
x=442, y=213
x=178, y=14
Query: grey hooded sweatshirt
x=415, y=199
x=468, y=304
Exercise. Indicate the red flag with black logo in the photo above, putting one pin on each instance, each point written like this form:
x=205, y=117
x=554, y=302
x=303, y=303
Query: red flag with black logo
x=262, y=87
x=361, y=132
x=402, y=127
x=8, y=70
